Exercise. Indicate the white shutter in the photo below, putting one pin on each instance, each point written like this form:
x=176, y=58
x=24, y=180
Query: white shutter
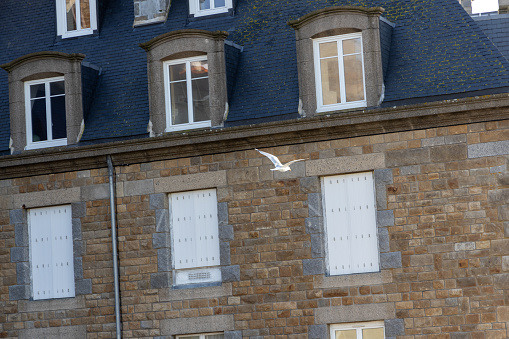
x=195, y=236
x=350, y=219
x=51, y=250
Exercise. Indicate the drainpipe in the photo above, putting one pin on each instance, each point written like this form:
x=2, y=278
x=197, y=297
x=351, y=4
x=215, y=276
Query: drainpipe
x=114, y=248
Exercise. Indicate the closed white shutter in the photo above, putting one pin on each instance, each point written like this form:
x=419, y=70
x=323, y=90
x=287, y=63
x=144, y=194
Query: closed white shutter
x=51, y=251
x=350, y=220
x=195, y=229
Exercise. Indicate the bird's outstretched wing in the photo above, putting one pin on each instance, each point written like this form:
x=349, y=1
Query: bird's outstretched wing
x=291, y=162
x=272, y=158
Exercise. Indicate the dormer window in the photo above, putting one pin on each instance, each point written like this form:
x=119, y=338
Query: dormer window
x=45, y=113
x=339, y=72
x=209, y=7
x=76, y=17
x=187, y=93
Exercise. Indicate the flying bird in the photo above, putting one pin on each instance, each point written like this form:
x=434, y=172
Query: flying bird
x=277, y=164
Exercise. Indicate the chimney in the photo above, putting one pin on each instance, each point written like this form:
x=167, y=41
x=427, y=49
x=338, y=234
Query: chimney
x=503, y=6
x=148, y=12
x=467, y=5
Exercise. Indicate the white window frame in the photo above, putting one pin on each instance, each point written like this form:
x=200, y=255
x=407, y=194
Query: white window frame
x=194, y=274
x=191, y=124
x=356, y=326
x=320, y=107
x=62, y=20
x=201, y=336
x=367, y=216
x=194, y=8
x=28, y=116
x=58, y=278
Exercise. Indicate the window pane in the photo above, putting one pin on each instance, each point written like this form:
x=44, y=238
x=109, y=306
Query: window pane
x=349, y=334
x=37, y=91
x=178, y=72
x=330, y=81
x=38, y=113
x=199, y=69
x=57, y=87
x=85, y=13
x=214, y=336
x=58, y=125
x=201, y=106
x=328, y=49
x=354, y=83
x=373, y=333
x=217, y=4
x=70, y=7
x=178, y=94
x=204, y=4
x=351, y=46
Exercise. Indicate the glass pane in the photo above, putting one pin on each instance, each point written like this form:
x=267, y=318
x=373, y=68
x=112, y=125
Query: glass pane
x=201, y=105
x=354, y=83
x=58, y=117
x=328, y=49
x=37, y=91
x=214, y=336
x=57, y=87
x=39, y=132
x=178, y=93
x=85, y=13
x=373, y=333
x=199, y=69
x=178, y=72
x=204, y=4
x=70, y=8
x=351, y=46
x=217, y=4
x=349, y=334
x=191, y=337
x=330, y=81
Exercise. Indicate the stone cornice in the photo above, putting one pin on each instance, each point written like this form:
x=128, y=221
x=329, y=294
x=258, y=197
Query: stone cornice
x=183, y=33
x=325, y=12
x=206, y=142
x=41, y=56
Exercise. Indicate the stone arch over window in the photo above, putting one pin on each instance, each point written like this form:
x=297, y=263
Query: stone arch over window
x=184, y=44
x=39, y=66
x=339, y=21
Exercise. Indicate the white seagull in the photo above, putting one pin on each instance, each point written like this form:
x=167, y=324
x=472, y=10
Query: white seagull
x=278, y=166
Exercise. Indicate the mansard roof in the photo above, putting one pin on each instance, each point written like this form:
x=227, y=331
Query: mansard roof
x=435, y=51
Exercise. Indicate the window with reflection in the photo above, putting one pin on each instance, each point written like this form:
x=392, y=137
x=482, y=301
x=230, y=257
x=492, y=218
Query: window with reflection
x=339, y=69
x=368, y=330
x=209, y=7
x=76, y=17
x=187, y=93
x=45, y=113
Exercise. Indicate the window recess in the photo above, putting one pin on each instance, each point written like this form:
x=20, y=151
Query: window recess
x=195, y=237
x=51, y=252
x=350, y=222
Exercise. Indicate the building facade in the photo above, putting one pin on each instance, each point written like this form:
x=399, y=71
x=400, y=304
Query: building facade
x=395, y=223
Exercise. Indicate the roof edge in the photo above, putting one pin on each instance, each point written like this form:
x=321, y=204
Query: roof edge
x=371, y=11
x=183, y=33
x=41, y=55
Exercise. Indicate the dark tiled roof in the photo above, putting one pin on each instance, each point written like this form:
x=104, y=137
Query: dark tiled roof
x=435, y=49
x=496, y=27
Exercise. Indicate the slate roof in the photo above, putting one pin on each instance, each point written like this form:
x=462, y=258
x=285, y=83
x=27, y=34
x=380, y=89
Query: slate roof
x=435, y=49
x=496, y=27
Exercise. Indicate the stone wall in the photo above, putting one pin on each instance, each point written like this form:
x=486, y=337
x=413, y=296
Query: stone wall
x=443, y=224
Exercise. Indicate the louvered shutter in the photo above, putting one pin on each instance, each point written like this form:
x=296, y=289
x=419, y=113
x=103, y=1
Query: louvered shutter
x=351, y=223
x=195, y=229
x=51, y=251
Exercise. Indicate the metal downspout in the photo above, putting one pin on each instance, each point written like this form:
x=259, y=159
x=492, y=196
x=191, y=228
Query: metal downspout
x=114, y=247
